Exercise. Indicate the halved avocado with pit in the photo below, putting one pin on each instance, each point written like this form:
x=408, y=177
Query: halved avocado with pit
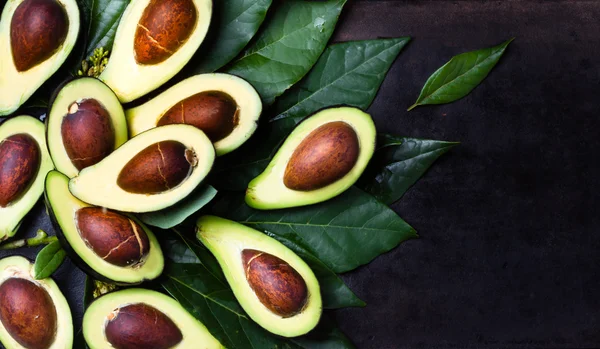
x=225, y=107
x=275, y=286
x=85, y=124
x=24, y=163
x=108, y=245
x=155, y=39
x=36, y=37
x=324, y=155
x=152, y=171
x=138, y=318
x=33, y=313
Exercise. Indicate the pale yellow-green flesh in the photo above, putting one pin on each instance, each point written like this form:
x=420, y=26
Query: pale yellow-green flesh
x=131, y=80
x=65, y=206
x=147, y=115
x=76, y=91
x=226, y=240
x=16, y=87
x=195, y=335
x=97, y=184
x=267, y=191
x=19, y=267
x=11, y=215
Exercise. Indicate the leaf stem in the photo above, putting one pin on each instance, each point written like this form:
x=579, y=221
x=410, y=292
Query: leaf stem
x=412, y=107
x=41, y=238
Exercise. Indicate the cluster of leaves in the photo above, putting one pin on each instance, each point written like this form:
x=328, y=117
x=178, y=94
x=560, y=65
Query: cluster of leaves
x=288, y=60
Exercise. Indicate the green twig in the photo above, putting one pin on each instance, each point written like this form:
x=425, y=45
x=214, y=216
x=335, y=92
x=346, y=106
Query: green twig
x=41, y=238
x=95, y=64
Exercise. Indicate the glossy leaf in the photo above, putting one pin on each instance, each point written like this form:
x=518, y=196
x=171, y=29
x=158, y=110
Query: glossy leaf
x=234, y=23
x=174, y=215
x=334, y=292
x=48, y=260
x=344, y=233
x=102, y=19
x=287, y=46
x=460, y=75
x=348, y=73
x=365, y=61
x=398, y=163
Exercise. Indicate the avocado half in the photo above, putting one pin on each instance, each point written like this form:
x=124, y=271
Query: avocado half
x=324, y=155
x=152, y=171
x=24, y=163
x=86, y=123
x=143, y=319
x=36, y=37
x=274, y=286
x=155, y=39
x=33, y=313
x=63, y=210
x=226, y=107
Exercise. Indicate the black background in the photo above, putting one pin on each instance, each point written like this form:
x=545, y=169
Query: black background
x=509, y=219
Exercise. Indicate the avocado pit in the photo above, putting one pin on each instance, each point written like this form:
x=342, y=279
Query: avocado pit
x=20, y=159
x=278, y=286
x=159, y=167
x=38, y=29
x=164, y=27
x=140, y=325
x=27, y=313
x=114, y=237
x=87, y=133
x=326, y=155
x=214, y=112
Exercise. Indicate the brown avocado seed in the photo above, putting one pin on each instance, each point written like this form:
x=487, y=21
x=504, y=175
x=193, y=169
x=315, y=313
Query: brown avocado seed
x=20, y=160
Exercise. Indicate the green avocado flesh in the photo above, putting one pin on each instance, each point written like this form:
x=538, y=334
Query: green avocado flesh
x=117, y=316
x=64, y=208
x=87, y=118
x=269, y=190
x=127, y=73
x=244, y=254
x=33, y=313
x=180, y=100
x=128, y=179
x=48, y=39
x=14, y=157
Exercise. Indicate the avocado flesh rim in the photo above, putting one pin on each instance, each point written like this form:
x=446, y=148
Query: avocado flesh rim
x=267, y=191
x=226, y=240
x=75, y=91
x=11, y=215
x=97, y=184
x=130, y=80
x=17, y=266
x=16, y=87
x=147, y=115
x=63, y=210
x=195, y=334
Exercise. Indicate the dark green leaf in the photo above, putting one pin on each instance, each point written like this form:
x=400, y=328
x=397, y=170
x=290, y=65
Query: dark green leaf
x=364, y=61
x=460, y=75
x=234, y=23
x=174, y=215
x=348, y=73
x=102, y=19
x=344, y=233
x=325, y=336
x=288, y=46
x=48, y=260
x=398, y=163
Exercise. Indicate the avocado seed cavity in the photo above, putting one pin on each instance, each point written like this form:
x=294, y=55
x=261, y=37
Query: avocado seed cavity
x=326, y=155
x=278, y=286
x=20, y=159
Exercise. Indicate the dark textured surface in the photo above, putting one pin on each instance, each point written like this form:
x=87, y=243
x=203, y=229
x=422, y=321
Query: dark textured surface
x=508, y=220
